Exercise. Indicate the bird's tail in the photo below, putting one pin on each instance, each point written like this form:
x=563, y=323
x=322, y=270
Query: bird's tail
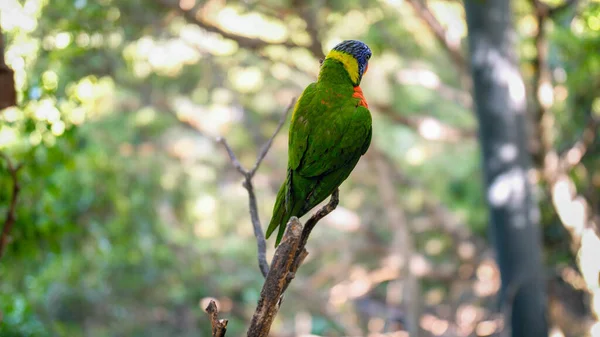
x=280, y=216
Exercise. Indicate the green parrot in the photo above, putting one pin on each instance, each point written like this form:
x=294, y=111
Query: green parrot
x=329, y=132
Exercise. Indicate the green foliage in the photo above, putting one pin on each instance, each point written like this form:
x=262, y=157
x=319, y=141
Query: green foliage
x=129, y=214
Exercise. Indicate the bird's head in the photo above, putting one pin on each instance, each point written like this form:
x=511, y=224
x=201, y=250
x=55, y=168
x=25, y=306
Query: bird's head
x=354, y=55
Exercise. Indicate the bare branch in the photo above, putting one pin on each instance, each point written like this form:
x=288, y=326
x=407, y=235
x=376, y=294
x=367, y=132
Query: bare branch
x=277, y=280
x=428, y=127
x=290, y=253
x=265, y=148
x=234, y=161
x=402, y=247
x=194, y=16
x=320, y=214
x=543, y=9
x=453, y=49
x=541, y=142
x=219, y=326
x=10, y=218
x=431, y=80
x=308, y=12
x=248, y=175
x=572, y=156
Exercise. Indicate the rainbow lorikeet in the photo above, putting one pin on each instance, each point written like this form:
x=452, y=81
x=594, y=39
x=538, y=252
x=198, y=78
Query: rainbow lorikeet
x=329, y=132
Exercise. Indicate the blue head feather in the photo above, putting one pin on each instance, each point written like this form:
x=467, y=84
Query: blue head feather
x=359, y=50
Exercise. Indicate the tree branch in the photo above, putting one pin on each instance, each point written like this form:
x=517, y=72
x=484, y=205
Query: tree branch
x=453, y=49
x=543, y=9
x=248, y=175
x=219, y=326
x=10, y=218
x=428, y=127
x=194, y=16
x=290, y=253
x=8, y=94
x=277, y=279
x=402, y=247
x=288, y=257
x=541, y=142
x=573, y=155
x=308, y=12
x=430, y=80
x=310, y=224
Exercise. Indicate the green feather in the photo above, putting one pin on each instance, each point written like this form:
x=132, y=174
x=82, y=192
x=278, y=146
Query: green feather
x=328, y=134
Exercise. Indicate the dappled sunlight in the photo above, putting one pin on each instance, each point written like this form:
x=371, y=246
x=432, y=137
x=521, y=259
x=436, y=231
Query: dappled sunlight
x=570, y=208
x=590, y=269
x=8, y=137
x=131, y=217
x=343, y=220
x=595, y=330
x=467, y=317
x=508, y=189
x=251, y=24
x=416, y=155
x=165, y=57
x=207, y=42
x=212, y=119
x=419, y=265
x=488, y=278
x=451, y=16
x=353, y=23
x=556, y=332
x=488, y=328
x=422, y=77
x=546, y=94
x=433, y=324
x=246, y=80
x=13, y=15
x=505, y=72
x=528, y=25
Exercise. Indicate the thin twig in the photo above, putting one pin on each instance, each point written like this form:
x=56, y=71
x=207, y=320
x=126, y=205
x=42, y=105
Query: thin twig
x=234, y=161
x=265, y=148
x=248, y=175
x=10, y=218
x=219, y=326
x=321, y=213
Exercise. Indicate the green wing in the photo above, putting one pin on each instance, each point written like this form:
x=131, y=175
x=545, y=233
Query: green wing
x=335, y=142
x=300, y=127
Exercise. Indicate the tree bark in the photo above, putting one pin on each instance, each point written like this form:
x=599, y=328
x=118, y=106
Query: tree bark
x=500, y=103
x=8, y=94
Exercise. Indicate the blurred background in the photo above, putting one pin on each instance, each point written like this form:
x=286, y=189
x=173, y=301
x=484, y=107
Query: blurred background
x=130, y=217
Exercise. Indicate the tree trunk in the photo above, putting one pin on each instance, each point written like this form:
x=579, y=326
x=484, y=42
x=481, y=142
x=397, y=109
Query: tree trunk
x=8, y=95
x=500, y=101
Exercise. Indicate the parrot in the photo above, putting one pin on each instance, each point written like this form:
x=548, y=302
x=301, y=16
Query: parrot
x=330, y=130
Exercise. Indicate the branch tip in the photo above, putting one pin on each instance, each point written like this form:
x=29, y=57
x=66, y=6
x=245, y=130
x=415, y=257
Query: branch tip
x=219, y=326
